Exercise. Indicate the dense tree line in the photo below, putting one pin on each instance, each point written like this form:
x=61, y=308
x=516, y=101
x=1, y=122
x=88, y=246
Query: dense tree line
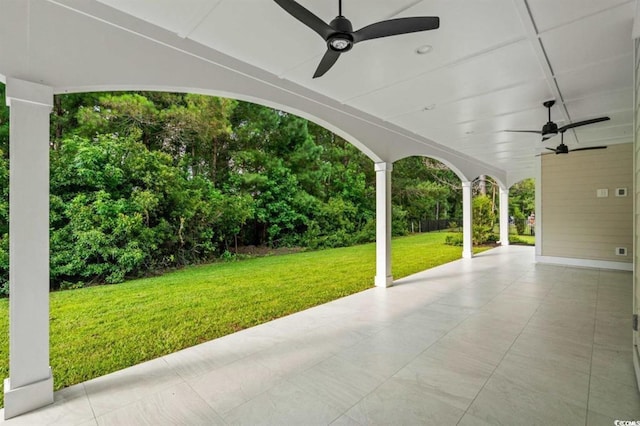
x=147, y=181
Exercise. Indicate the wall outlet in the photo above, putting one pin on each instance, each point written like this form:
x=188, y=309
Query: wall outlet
x=602, y=193
x=621, y=251
x=621, y=192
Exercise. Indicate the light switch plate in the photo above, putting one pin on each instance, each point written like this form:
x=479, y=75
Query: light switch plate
x=602, y=193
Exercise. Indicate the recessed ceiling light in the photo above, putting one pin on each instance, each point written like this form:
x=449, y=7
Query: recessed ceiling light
x=429, y=107
x=425, y=48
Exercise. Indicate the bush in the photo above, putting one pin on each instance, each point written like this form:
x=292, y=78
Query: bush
x=454, y=240
x=520, y=220
x=119, y=210
x=483, y=219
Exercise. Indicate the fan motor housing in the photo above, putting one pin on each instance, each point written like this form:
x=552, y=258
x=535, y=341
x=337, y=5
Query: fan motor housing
x=549, y=129
x=343, y=32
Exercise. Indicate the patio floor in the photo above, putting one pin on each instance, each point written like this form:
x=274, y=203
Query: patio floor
x=493, y=340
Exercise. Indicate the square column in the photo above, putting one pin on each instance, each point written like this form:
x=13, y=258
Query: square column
x=467, y=221
x=504, y=217
x=30, y=384
x=383, y=225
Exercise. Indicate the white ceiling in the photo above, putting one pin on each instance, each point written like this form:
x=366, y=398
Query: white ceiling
x=492, y=64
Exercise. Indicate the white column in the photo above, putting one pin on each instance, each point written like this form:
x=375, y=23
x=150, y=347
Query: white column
x=467, y=221
x=30, y=384
x=383, y=224
x=504, y=217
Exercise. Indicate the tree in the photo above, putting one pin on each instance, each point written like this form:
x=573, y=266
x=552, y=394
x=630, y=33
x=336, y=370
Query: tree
x=522, y=202
x=483, y=219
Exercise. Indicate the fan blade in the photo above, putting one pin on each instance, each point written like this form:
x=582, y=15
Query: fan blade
x=588, y=148
x=397, y=26
x=524, y=131
x=306, y=17
x=552, y=149
x=326, y=63
x=582, y=123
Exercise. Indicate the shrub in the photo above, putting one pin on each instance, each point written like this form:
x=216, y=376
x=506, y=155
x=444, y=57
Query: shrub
x=454, y=240
x=483, y=219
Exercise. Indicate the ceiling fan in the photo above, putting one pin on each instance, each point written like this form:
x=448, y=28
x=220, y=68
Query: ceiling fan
x=564, y=149
x=551, y=129
x=339, y=34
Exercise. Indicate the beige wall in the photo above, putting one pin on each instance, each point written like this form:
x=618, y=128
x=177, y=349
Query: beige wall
x=576, y=223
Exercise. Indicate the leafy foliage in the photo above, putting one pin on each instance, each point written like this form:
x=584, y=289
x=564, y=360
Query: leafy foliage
x=483, y=219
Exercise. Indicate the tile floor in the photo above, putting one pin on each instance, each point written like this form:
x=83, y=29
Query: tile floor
x=493, y=340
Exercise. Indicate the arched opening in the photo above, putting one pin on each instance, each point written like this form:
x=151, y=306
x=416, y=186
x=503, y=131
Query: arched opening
x=522, y=211
x=427, y=195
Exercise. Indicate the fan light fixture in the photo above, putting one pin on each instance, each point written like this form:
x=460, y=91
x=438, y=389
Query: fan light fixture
x=340, y=44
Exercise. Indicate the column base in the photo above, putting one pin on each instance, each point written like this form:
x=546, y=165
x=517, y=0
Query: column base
x=467, y=254
x=384, y=281
x=27, y=398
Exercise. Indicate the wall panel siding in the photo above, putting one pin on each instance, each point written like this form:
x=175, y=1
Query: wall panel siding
x=576, y=223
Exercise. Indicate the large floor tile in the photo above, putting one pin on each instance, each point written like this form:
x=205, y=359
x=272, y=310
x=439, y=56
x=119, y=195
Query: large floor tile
x=455, y=380
x=613, y=331
x=390, y=350
x=614, y=364
x=296, y=355
x=535, y=290
x=177, y=405
x=108, y=393
x=397, y=402
x=613, y=399
x=201, y=359
x=597, y=419
x=337, y=382
x=71, y=407
x=285, y=404
x=449, y=346
x=503, y=402
x=544, y=348
x=232, y=385
x=545, y=377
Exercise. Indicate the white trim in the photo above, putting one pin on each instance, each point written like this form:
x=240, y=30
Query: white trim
x=504, y=217
x=636, y=363
x=26, y=91
x=635, y=31
x=586, y=263
x=467, y=220
x=27, y=398
x=384, y=277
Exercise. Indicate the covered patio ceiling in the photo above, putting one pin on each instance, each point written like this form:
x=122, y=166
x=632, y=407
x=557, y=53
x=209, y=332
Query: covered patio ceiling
x=492, y=63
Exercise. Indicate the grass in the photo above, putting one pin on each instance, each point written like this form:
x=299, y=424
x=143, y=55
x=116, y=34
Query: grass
x=98, y=330
x=529, y=240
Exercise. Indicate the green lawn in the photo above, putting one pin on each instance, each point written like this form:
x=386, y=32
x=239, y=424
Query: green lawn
x=97, y=330
x=523, y=239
